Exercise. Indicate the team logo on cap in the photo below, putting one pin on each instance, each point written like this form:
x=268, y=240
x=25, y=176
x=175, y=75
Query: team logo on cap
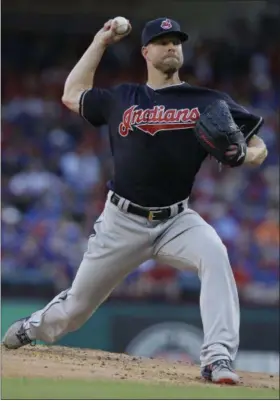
x=166, y=24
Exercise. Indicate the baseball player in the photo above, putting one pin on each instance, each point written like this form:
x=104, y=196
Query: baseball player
x=159, y=133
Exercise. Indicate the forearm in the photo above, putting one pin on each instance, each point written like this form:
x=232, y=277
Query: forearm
x=82, y=75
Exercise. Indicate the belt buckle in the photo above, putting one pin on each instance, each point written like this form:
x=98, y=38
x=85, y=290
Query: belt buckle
x=152, y=214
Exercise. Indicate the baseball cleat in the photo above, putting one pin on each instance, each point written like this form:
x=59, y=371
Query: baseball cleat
x=220, y=372
x=16, y=335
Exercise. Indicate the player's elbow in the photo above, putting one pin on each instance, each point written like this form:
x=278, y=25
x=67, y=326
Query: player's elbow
x=71, y=101
x=66, y=100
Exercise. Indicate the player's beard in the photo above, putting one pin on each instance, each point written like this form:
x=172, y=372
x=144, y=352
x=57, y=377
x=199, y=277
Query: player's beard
x=169, y=67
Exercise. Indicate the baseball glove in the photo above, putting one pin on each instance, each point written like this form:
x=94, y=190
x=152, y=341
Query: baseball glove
x=217, y=132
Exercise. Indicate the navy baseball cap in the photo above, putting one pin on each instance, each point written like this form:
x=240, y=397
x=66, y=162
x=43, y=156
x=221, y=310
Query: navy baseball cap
x=160, y=27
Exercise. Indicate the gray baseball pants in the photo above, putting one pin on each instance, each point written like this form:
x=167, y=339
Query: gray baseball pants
x=121, y=242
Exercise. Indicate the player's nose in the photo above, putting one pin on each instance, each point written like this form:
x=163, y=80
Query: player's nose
x=171, y=52
x=171, y=48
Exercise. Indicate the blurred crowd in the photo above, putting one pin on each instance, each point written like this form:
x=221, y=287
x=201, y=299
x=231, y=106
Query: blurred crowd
x=55, y=166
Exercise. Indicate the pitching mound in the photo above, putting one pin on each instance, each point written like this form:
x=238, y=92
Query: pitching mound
x=71, y=363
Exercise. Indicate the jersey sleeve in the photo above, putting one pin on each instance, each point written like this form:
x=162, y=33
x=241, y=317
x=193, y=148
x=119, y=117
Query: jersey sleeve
x=96, y=105
x=249, y=123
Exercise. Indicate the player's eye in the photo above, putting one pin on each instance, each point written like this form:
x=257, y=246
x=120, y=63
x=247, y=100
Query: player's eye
x=176, y=41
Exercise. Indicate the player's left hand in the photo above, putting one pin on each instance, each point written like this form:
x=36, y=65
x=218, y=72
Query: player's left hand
x=255, y=156
x=219, y=135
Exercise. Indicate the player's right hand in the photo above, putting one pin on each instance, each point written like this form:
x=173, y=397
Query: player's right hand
x=107, y=34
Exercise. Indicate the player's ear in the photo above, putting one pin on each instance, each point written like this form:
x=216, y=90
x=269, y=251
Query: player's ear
x=144, y=52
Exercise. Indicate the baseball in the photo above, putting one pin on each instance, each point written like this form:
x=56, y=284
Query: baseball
x=122, y=25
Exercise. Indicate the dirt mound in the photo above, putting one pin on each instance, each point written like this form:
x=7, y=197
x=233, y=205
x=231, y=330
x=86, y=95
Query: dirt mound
x=69, y=363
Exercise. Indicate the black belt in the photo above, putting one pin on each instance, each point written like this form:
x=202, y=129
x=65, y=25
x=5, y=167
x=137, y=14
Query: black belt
x=150, y=214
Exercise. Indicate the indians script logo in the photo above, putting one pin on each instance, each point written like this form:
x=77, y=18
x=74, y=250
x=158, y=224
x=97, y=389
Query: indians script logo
x=166, y=24
x=157, y=119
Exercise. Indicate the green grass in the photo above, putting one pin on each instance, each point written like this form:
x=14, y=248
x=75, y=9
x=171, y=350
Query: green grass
x=21, y=388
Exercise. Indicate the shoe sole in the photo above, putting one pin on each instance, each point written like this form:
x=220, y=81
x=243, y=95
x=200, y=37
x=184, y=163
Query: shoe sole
x=222, y=380
x=225, y=381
